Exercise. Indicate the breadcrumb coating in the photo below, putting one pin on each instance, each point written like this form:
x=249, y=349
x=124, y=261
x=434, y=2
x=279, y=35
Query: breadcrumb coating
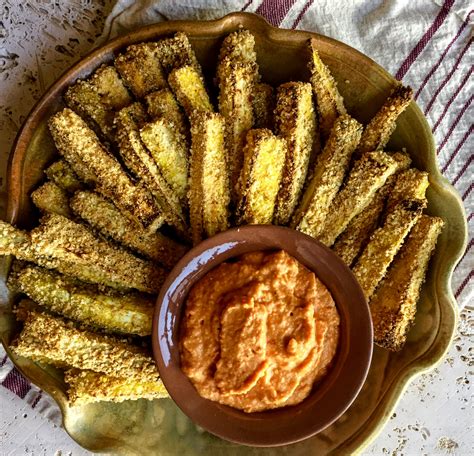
x=78, y=144
x=64, y=176
x=393, y=306
x=141, y=69
x=49, y=198
x=128, y=313
x=328, y=176
x=107, y=219
x=295, y=121
x=263, y=105
x=264, y=156
x=176, y=52
x=384, y=244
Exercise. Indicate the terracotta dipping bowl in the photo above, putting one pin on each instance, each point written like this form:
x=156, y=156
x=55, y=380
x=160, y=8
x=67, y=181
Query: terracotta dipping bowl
x=329, y=398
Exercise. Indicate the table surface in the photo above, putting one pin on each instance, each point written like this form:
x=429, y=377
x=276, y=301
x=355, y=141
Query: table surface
x=38, y=41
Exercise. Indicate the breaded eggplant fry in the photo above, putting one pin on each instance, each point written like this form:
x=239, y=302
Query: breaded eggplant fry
x=163, y=104
x=357, y=233
x=236, y=92
x=107, y=219
x=263, y=106
x=140, y=69
x=368, y=174
x=328, y=175
x=73, y=249
x=44, y=336
x=79, y=145
x=295, y=121
x=410, y=184
x=189, y=89
x=209, y=192
x=379, y=129
x=64, y=177
x=141, y=163
x=129, y=313
x=14, y=242
x=384, y=244
x=238, y=46
x=168, y=148
x=86, y=386
x=330, y=104
x=50, y=198
x=97, y=98
x=264, y=156
x=393, y=306
x=176, y=52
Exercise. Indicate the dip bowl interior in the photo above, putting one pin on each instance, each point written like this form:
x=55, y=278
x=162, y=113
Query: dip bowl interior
x=329, y=398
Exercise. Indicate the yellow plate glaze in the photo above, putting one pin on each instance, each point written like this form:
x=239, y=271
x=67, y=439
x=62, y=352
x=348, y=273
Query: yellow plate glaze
x=158, y=427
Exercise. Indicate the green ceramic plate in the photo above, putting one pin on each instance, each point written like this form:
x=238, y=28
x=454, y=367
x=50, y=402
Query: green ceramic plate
x=158, y=427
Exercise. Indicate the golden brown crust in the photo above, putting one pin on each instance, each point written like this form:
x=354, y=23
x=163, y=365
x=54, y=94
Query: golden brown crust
x=86, y=387
x=264, y=156
x=142, y=165
x=379, y=129
x=176, y=52
x=140, y=69
x=330, y=103
x=44, y=336
x=384, y=244
x=49, y=198
x=209, y=192
x=107, y=219
x=368, y=174
x=189, y=89
x=129, y=313
x=97, y=98
x=239, y=46
x=328, y=175
x=79, y=145
x=163, y=104
x=393, y=306
x=295, y=121
x=64, y=176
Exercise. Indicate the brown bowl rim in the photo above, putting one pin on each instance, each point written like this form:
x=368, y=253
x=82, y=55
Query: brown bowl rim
x=333, y=394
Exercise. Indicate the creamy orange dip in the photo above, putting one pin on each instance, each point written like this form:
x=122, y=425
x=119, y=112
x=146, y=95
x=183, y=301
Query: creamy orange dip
x=258, y=332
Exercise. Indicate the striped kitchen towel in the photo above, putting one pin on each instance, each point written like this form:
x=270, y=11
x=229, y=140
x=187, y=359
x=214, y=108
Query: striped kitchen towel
x=426, y=44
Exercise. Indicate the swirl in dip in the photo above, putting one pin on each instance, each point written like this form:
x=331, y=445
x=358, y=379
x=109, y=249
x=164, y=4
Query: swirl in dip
x=258, y=332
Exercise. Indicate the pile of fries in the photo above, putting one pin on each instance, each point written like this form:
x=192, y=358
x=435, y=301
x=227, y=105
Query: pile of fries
x=149, y=166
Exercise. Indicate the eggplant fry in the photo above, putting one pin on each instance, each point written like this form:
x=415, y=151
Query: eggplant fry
x=72, y=249
x=49, y=198
x=263, y=105
x=168, y=148
x=378, y=131
x=264, y=156
x=328, y=175
x=209, y=192
x=410, y=184
x=79, y=145
x=140, y=69
x=64, y=177
x=368, y=174
x=129, y=313
x=357, y=233
x=163, y=104
x=141, y=163
x=238, y=46
x=236, y=92
x=107, y=219
x=384, y=244
x=86, y=386
x=189, y=89
x=393, y=306
x=97, y=98
x=51, y=338
x=330, y=104
x=295, y=121
x=176, y=52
